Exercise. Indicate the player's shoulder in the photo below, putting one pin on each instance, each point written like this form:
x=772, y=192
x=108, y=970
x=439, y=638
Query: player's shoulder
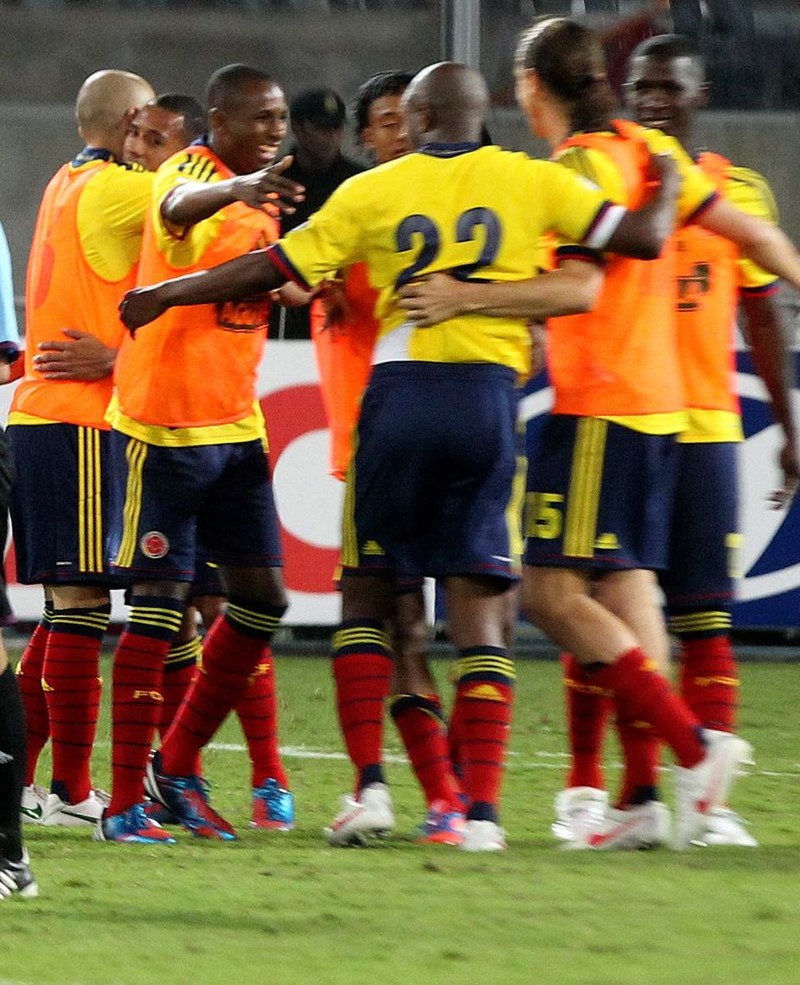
x=749, y=190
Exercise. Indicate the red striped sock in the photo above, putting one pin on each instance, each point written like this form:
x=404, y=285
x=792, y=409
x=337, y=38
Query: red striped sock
x=484, y=698
x=641, y=693
x=258, y=715
x=710, y=681
x=362, y=669
x=421, y=723
x=29, y=678
x=71, y=684
x=232, y=650
x=137, y=700
x=180, y=670
x=641, y=754
x=587, y=707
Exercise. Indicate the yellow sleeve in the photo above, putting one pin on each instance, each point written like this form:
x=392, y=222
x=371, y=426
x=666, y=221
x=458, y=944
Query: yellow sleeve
x=574, y=201
x=331, y=239
x=749, y=191
x=598, y=168
x=110, y=216
x=183, y=246
x=696, y=187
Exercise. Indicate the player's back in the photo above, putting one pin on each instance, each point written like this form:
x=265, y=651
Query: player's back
x=475, y=212
x=83, y=258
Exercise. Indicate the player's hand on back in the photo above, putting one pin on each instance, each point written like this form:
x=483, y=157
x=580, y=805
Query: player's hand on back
x=790, y=466
x=430, y=300
x=82, y=357
x=140, y=306
x=269, y=187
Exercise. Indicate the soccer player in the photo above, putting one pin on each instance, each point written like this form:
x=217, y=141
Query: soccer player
x=161, y=128
x=83, y=258
x=193, y=453
x=430, y=483
x=598, y=500
x=666, y=88
x=344, y=331
x=15, y=872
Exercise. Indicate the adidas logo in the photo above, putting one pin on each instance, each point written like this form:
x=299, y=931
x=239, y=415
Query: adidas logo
x=373, y=548
x=486, y=692
x=607, y=542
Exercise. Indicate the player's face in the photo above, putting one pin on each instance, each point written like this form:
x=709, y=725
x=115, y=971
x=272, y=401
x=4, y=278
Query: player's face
x=247, y=136
x=385, y=133
x=664, y=93
x=154, y=135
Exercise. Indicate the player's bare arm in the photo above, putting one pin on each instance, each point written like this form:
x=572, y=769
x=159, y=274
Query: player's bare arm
x=758, y=239
x=194, y=201
x=572, y=289
x=773, y=360
x=246, y=276
x=80, y=357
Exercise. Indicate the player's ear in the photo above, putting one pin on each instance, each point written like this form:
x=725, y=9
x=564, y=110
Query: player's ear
x=216, y=118
x=703, y=95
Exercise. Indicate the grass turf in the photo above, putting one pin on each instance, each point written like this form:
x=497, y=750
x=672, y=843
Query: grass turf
x=286, y=908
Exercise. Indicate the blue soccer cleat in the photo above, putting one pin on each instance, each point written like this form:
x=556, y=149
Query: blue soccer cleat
x=132, y=827
x=273, y=807
x=187, y=798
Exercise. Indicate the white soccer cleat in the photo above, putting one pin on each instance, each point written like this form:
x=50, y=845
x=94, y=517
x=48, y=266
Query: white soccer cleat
x=33, y=803
x=17, y=878
x=483, y=836
x=639, y=827
x=362, y=819
x=704, y=787
x=725, y=827
x=578, y=807
x=86, y=813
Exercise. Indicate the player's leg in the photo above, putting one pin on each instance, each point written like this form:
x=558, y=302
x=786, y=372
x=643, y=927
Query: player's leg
x=238, y=526
x=416, y=708
x=699, y=587
x=61, y=517
x=154, y=540
x=602, y=643
x=37, y=721
x=15, y=873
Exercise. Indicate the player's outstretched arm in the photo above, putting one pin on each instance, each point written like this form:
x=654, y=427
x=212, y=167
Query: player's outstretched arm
x=758, y=239
x=773, y=359
x=238, y=279
x=570, y=290
x=194, y=201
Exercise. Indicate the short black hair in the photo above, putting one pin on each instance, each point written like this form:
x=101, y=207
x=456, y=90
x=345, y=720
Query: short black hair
x=668, y=46
x=226, y=83
x=383, y=84
x=194, y=116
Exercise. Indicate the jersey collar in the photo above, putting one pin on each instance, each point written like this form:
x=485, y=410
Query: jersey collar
x=447, y=150
x=89, y=154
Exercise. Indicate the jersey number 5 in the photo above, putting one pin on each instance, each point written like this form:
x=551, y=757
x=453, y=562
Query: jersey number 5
x=423, y=230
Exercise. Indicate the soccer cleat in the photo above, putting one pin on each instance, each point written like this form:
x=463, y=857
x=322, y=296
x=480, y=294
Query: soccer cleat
x=132, y=826
x=159, y=813
x=187, y=798
x=86, y=813
x=483, y=836
x=16, y=877
x=725, y=827
x=34, y=799
x=363, y=818
x=637, y=827
x=704, y=787
x=577, y=807
x=273, y=807
x=442, y=826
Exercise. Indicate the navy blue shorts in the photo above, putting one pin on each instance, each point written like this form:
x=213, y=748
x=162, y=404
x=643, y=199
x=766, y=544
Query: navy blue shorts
x=705, y=538
x=219, y=496
x=207, y=577
x=62, y=504
x=431, y=479
x=599, y=496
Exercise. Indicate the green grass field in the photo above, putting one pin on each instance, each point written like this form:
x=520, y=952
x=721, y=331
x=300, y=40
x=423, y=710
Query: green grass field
x=280, y=909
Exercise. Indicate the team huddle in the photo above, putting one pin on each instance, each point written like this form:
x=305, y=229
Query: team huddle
x=430, y=277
